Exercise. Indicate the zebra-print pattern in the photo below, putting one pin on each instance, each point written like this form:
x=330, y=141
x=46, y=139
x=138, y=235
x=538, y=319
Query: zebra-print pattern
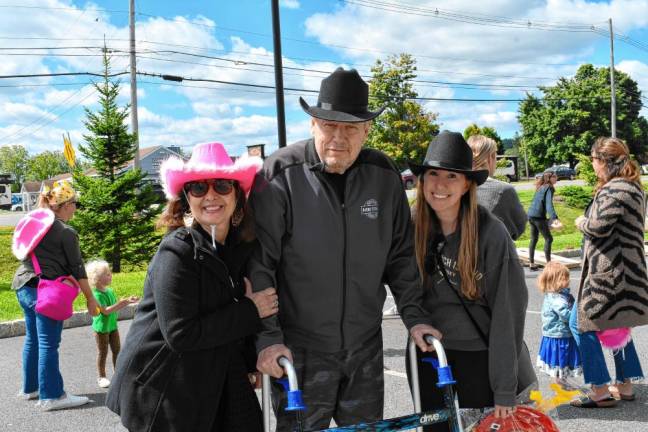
x=613, y=288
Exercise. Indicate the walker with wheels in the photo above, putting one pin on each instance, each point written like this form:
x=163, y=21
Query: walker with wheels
x=529, y=420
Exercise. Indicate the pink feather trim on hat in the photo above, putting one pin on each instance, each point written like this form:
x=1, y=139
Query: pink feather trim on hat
x=208, y=161
x=614, y=339
x=29, y=231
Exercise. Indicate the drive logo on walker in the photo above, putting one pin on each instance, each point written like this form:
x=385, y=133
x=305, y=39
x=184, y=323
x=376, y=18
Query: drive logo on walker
x=430, y=418
x=370, y=209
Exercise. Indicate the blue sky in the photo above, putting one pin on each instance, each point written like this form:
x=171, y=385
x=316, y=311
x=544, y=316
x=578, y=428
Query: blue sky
x=474, y=47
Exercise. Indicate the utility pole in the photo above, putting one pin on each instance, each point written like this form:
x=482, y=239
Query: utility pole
x=278, y=68
x=133, y=83
x=526, y=161
x=612, y=87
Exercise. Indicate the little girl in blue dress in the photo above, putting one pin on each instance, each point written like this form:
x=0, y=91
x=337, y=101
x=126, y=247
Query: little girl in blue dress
x=558, y=356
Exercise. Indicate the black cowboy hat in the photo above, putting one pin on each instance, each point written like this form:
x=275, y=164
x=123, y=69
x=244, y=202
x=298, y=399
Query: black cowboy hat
x=449, y=151
x=343, y=97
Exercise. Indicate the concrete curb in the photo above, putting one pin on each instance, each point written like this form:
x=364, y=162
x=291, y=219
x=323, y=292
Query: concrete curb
x=568, y=253
x=78, y=319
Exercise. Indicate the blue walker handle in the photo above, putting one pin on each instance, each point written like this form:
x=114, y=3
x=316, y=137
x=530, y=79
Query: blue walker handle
x=295, y=399
x=445, y=373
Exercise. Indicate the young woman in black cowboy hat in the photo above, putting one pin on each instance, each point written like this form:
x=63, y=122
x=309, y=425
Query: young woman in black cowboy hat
x=473, y=283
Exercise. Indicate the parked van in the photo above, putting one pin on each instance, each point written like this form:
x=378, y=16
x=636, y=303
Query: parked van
x=506, y=168
x=5, y=196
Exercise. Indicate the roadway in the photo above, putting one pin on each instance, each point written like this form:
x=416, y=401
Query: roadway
x=78, y=366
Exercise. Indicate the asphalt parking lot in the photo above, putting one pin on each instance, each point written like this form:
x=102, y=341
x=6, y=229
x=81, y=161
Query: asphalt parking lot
x=77, y=355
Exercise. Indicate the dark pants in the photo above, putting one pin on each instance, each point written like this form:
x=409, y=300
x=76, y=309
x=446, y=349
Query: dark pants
x=239, y=408
x=469, y=369
x=346, y=386
x=104, y=341
x=541, y=226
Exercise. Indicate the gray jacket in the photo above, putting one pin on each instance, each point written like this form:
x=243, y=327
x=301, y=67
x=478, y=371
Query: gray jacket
x=502, y=200
x=500, y=310
x=327, y=259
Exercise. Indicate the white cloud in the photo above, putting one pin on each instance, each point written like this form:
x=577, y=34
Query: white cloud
x=289, y=4
x=638, y=71
x=499, y=119
x=454, y=51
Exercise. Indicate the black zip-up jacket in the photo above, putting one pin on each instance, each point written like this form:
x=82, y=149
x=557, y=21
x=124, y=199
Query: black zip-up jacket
x=330, y=260
x=190, y=326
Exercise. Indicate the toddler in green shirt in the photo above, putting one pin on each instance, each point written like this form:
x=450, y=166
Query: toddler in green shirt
x=105, y=323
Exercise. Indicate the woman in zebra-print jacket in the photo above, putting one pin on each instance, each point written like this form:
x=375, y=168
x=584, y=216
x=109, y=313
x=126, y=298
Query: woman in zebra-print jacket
x=613, y=291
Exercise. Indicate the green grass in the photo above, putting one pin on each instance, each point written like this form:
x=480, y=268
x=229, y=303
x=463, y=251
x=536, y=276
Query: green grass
x=124, y=284
x=569, y=237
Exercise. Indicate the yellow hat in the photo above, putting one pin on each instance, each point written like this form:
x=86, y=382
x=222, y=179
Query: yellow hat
x=60, y=192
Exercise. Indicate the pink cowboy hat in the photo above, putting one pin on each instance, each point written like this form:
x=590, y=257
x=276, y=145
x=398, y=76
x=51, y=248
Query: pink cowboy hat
x=208, y=161
x=30, y=230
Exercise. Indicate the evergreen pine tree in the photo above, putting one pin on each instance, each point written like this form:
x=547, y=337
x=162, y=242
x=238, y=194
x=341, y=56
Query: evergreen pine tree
x=116, y=218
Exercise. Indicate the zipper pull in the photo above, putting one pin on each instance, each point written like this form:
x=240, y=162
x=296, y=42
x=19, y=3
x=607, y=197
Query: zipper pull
x=233, y=287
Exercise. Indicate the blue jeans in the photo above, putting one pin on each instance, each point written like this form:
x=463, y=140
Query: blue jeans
x=40, y=353
x=595, y=372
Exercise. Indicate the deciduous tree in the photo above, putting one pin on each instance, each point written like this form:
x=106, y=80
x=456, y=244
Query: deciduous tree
x=572, y=114
x=404, y=130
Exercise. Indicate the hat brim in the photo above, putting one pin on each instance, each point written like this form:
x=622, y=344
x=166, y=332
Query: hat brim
x=174, y=173
x=478, y=176
x=29, y=231
x=339, y=116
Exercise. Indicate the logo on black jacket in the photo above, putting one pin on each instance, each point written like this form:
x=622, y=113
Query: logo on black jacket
x=370, y=209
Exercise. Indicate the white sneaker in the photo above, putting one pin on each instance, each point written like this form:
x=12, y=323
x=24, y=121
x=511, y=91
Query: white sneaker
x=66, y=401
x=27, y=396
x=103, y=382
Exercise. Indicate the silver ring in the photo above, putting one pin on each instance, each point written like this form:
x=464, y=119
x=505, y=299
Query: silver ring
x=276, y=303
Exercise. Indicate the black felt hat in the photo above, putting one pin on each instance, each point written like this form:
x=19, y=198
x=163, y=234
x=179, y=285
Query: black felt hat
x=343, y=97
x=449, y=151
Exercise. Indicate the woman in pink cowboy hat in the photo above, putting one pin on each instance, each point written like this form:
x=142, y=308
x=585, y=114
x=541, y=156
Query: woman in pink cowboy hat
x=187, y=356
x=55, y=245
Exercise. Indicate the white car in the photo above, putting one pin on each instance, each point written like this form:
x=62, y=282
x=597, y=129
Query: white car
x=506, y=171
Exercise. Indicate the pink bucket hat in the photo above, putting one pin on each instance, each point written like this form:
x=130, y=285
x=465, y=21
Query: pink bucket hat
x=30, y=230
x=208, y=161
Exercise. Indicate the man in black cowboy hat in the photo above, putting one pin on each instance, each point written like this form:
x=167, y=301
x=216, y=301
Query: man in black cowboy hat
x=334, y=226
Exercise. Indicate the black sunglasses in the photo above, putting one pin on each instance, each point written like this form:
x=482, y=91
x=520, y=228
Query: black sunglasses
x=200, y=188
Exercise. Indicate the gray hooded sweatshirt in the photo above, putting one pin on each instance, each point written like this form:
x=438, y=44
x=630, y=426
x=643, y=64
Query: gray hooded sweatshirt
x=500, y=310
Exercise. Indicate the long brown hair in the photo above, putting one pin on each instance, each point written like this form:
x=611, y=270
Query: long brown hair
x=545, y=180
x=427, y=226
x=615, y=155
x=176, y=209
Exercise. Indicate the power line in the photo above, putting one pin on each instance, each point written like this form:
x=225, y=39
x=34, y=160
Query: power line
x=57, y=116
x=294, y=58
x=485, y=20
x=43, y=75
x=238, y=62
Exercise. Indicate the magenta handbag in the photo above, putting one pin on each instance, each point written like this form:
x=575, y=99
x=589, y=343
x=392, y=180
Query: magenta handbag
x=54, y=298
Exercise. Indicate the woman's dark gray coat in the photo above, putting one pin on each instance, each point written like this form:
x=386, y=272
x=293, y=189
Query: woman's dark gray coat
x=170, y=373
